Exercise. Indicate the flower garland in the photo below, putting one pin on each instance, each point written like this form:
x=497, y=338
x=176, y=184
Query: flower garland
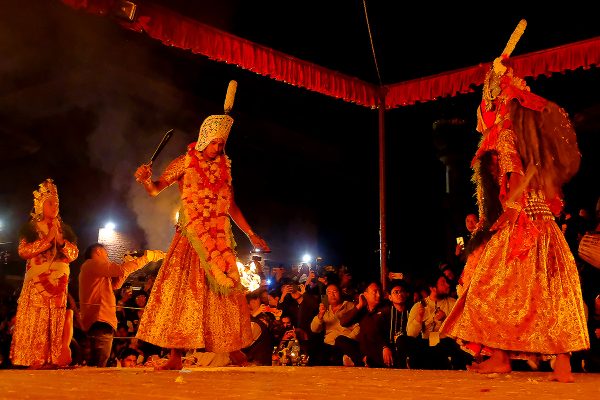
x=206, y=196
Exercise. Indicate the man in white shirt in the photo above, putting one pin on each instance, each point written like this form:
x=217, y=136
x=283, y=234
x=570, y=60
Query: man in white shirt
x=424, y=322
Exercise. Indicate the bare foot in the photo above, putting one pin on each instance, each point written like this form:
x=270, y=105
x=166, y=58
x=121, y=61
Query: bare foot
x=238, y=358
x=174, y=362
x=47, y=366
x=35, y=366
x=498, y=363
x=170, y=365
x=562, y=369
x=64, y=360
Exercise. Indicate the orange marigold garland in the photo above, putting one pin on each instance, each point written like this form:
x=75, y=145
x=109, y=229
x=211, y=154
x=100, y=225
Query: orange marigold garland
x=205, y=218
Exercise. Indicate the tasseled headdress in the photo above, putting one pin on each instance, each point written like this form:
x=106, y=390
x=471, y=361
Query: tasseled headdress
x=217, y=126
x=491, y=85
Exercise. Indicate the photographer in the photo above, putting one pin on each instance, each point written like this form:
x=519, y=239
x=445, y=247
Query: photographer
x=99, y=277
x=315, y=284
x=301, y=307
x=298, y=304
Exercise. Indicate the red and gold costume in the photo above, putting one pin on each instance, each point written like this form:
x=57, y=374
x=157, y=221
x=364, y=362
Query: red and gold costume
x=42, y=305
x=521, y=290
x=197, y=300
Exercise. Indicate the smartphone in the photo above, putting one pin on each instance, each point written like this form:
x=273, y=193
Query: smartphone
x=461, y=241
x=325, y=301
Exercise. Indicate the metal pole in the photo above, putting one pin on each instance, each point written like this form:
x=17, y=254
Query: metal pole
x=382, y=213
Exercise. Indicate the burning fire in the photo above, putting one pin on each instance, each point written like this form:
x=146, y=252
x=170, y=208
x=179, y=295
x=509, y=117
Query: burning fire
x=248, y=276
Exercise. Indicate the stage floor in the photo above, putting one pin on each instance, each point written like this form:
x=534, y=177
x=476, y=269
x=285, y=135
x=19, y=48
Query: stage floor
x=279, y=383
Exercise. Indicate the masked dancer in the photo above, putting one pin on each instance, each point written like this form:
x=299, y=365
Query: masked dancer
x=522, y=295
x=197, y=300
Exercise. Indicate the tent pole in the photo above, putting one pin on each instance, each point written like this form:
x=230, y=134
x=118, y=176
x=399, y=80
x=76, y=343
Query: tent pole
x=382, y=213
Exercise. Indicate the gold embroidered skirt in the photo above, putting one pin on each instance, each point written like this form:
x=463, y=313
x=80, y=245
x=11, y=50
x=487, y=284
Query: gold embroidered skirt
x=528, y=303
x=39, y=325
x=183, y=312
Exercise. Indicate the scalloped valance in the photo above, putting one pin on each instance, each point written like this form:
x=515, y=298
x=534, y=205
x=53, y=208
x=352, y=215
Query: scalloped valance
x=179, y=31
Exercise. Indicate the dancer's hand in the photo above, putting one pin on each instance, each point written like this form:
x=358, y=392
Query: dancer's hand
x=154, y=255
x=59, y=235
x=143, y=173
x=52, y=232
x=259, y=243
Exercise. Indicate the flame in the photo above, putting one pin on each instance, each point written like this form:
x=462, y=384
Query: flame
x=248, y=276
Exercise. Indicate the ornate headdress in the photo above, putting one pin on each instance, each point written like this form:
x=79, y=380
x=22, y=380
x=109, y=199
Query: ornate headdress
x=217, y=126
x=46, y=190
x=491, y=85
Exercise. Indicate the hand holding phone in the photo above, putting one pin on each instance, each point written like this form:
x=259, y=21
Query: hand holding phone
x=325, y=301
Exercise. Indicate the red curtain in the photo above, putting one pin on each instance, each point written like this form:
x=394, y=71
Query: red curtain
x=584, y=54
x=179, y=31
x=176, y=30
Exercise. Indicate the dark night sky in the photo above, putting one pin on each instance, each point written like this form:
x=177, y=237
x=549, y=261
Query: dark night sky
x=85, y=102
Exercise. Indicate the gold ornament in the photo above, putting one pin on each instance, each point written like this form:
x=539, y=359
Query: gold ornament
x=491, y=85
x=46, y=190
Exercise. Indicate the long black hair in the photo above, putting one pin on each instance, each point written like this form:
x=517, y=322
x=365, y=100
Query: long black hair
x=490, y=207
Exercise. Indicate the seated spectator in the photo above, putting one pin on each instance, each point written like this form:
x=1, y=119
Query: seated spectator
x=299, y=305
x=148, y=283
x=286, y=333
x=424, y=322
x=374, y=344
x=405, y=346
x=273, y=298
x=312, y=284
x=128, y=358
x=277, y=278
x=347, y=289
x=451, y=277
x=136, y=309
x=260, y=350
x=120, y=341
x=328, y=320
x=124, y=297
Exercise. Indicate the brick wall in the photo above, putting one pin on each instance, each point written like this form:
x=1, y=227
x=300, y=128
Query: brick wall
x=117, y=243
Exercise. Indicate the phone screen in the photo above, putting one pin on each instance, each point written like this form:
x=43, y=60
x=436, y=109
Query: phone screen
x=325, y=301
